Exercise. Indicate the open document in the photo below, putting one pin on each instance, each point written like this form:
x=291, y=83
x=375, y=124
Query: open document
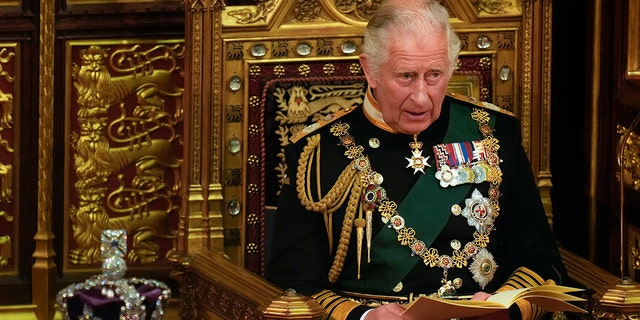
x=548, y=297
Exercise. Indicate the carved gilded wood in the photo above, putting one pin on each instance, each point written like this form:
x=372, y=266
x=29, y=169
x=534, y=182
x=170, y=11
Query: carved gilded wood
x=10, y=3
x=9, y=99
x=43, y=273
x=201, y=225
x=125, y=116
x=633, y=45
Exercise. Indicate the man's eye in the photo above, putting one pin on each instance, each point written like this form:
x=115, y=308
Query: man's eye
x=406, y=76
x=434, y=75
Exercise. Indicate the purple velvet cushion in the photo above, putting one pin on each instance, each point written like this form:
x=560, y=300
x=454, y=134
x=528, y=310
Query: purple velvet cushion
x=109, y=308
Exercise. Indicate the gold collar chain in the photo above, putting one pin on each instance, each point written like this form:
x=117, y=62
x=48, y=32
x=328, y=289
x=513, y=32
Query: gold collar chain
x=374, y=196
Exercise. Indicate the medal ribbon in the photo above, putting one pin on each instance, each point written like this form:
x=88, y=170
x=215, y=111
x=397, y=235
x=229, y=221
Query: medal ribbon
x=458, y=153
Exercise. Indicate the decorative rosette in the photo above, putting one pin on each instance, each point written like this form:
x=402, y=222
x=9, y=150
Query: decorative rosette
x=483, y=267
x=447, y=176
x=479, y=212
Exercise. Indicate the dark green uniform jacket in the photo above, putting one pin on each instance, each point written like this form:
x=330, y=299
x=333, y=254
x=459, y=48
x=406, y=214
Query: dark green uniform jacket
x=520, y=238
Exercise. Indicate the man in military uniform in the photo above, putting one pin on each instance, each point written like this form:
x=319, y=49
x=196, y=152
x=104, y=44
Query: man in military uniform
x=416, y=191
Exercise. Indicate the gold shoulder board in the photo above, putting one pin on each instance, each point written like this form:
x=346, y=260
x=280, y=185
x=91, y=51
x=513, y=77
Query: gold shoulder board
x=321, y=123
x=481, y=104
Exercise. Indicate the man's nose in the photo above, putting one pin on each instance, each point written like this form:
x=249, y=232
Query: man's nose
x=420, y=92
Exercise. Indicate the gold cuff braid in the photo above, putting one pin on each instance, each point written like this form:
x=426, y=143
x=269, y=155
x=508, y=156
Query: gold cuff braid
x=336, y=306
x=525, y=278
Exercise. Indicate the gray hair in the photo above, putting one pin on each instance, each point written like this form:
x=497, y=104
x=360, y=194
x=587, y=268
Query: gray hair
x=417, y=17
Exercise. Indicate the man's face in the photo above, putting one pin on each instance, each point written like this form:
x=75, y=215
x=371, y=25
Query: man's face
x=412, y=84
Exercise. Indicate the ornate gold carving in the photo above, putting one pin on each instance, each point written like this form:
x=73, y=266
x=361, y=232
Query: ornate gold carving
x=117, y=134
x=6, y=123
x=633, y=48
x=307, y=10
x=254, y=14
x=6, y=99
x=633, y=251
x=325, y=47
x=527, y=58
x=504, y=102
x=6, y=177
x=630, y=158
x=5, y=250
x=280, y=49
x=5, y=243
x=43, y=273
x=7, y=64
x=238, y=294
x=233, y=177
x=545, y=108
x=234, y=113
x=492, y=6
x=235, y=51
x=464, y=41
x=360, y=10
x=506, y=40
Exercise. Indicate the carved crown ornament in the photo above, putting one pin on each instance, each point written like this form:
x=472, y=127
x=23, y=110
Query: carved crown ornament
x=348, y=11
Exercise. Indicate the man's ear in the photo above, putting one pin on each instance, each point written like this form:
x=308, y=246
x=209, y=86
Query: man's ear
x=371, y=77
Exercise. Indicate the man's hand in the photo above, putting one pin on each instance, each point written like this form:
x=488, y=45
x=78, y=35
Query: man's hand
x=481, y=296
x=389, y=311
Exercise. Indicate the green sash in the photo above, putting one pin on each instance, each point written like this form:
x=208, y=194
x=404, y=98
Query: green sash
x=426, y=216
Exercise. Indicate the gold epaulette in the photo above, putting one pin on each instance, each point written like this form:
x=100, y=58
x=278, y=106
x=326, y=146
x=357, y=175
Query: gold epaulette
x=321, y=123
x=481, y=104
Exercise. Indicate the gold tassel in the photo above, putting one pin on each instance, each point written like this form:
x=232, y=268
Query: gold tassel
x=360, y=224
x=369, y=234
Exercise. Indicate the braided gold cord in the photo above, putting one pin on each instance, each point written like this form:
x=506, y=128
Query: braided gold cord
x=350, y=179
x=336, y=195
x=347, y=226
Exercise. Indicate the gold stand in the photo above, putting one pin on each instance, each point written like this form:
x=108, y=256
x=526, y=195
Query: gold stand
x=621, y=301
x=292, y=305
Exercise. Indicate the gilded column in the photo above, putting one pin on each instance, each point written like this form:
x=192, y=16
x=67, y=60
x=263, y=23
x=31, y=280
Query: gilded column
x=44, y=268
x=536, y=93
x=201, y=221
x=544, y=173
